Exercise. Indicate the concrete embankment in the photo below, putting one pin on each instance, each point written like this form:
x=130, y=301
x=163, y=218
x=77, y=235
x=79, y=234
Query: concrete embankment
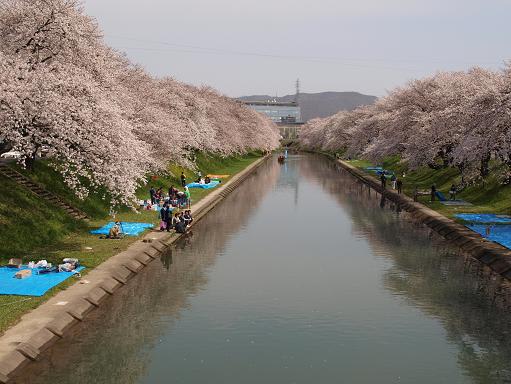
x=493, y=255
x=39, y=329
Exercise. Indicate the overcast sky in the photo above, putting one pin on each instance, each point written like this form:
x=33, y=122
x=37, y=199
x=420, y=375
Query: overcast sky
x=246, y=47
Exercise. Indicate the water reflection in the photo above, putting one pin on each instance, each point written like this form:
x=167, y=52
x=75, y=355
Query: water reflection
x=323, y=282
x=432, y=275
x=114, y=344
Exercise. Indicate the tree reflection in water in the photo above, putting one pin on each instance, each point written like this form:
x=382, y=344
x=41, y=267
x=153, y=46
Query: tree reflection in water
x=132, y=321
x=470, y=301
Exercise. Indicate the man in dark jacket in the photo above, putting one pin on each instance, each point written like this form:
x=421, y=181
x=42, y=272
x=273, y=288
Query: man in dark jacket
x=152, y=193
x=383, y=180
x=166, y=216
x=183, y=179
x=399, y=184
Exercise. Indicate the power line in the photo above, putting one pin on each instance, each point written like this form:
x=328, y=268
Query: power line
x=318, y=60
x=186, y=48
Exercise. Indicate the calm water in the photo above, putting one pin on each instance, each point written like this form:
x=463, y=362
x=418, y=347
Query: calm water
x=300, y=276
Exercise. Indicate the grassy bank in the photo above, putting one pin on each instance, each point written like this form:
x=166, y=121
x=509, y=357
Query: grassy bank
x=487, y=196
x=34, y=229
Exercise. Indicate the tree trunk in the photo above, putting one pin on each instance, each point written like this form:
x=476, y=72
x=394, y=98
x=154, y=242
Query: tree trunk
x=485, y=168
x=461, y=168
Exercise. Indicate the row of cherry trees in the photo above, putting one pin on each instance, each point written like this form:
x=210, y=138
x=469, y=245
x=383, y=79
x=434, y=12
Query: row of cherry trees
x=103, y=121
x=458, y=119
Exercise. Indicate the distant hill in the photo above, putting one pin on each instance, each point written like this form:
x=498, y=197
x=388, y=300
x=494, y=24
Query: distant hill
x=321, y=104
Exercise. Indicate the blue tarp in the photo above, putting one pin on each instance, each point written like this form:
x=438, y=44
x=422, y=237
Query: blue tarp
x=374, y=168
x=499, y=233
x=212, y=184
x=440, y=196
x=34, y=285
x=484, y=218
x=127, y=228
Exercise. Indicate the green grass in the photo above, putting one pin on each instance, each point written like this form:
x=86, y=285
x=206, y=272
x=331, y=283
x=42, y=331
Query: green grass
x=487, y=196
x=34, y=229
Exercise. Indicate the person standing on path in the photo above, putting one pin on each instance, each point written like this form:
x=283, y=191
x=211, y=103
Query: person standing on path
x=383, y=180
x=433, y=192
x=452, y=192
x=393, y=179
x=399, y=184
x=183, y=179
x=163, y=217
x=188, y=198
x=152, y=193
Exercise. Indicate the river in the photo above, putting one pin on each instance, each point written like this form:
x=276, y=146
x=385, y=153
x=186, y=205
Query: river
x=301, y=275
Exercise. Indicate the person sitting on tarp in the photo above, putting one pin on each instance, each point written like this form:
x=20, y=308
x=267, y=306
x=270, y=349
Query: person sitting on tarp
x=207, y=180
x=69, y=265
x=172, y=192
x=115, y=231
x=452, y=192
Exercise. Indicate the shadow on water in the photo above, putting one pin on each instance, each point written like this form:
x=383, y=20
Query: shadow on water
x=431, y=274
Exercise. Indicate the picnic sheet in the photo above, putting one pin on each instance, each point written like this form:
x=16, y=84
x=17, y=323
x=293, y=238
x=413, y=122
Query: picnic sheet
x=455, y=202
x=213, y=184
x=484, y=218
x=218, y=176
x=127, y=228
x=498, y=233
x=34, y=285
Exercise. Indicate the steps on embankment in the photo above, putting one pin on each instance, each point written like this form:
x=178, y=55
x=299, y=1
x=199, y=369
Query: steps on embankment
x=493, y=255
x=41, y=192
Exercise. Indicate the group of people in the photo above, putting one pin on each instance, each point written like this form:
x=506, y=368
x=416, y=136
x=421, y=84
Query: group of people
x=397, y=184
x=178, y=221
x=175, y=198
x=202, y=180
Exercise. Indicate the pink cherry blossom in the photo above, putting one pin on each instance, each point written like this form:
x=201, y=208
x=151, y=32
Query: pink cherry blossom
x=104, y=122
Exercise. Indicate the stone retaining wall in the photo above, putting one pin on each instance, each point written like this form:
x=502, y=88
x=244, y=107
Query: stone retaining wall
x=39, y=329
x=495, y=256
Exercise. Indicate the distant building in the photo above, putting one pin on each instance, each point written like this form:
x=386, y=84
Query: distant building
x=283, y=113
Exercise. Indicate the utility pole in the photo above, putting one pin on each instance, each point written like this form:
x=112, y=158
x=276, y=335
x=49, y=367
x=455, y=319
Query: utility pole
x=297, y=95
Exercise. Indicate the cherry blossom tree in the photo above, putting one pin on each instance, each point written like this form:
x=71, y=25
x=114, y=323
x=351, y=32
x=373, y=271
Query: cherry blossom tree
x=55, y=95
x=102, y=121
x=457, y=119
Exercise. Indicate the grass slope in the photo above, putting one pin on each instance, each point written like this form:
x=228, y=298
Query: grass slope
x=34, y=229
x=488, y=196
